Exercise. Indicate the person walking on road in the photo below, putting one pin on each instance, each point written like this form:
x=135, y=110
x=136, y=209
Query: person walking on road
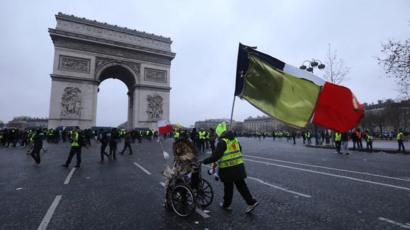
x=75, y=148
x=104, y=142
x=400, y=139
x=37, y=146
x=127, y=143
x=113, y=144
x=345, y=143
x=369, y=141
x=231, y=168
x=338, y=142
x=359, y=139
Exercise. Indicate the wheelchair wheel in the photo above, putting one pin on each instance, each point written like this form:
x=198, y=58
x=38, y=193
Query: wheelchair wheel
x=182, y=201
x=205, y=194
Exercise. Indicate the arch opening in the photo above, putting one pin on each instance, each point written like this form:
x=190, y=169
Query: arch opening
x=111, y=105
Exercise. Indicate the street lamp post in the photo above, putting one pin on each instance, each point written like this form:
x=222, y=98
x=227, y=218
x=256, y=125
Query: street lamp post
x=310, y=65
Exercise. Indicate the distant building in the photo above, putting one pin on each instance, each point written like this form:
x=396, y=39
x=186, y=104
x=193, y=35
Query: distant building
x=263, y=124
x=387, y=116
x=212, y=123
x=23, y=122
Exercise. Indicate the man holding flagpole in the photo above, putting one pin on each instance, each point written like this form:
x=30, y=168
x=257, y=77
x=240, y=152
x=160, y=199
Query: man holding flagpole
x=231, y=168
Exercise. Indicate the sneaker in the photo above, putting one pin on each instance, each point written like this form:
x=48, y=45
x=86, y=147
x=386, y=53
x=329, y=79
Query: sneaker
x=65, y=166
x=224, y=207
x=77, y=166
x=250, y=208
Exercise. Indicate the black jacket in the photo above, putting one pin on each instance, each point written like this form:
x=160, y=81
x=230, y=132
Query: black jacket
x=229, y=174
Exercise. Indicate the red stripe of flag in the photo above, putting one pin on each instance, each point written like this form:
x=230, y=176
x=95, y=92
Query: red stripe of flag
x=337, y=109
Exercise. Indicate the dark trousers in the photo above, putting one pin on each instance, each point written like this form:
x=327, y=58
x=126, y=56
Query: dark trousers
x=102, y=151
x=401, y=145
x=242, y=189
x=202, y=145
x=359, y=144
x=74, y=151
x=369, y=146
x=113, y=151
x=36, y=154
x=127, y=146
x=338, y=145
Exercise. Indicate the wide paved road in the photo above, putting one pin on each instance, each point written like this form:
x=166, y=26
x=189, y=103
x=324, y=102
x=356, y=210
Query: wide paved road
x=297, y=187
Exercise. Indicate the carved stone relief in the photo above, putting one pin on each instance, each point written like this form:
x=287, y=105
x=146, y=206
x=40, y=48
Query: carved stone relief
x=101, y=62
x=154, y=107
x=71, y=102
x=155, y=75
x=74, y=64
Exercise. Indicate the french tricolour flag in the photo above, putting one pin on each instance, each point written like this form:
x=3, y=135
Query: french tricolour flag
x=164, y=127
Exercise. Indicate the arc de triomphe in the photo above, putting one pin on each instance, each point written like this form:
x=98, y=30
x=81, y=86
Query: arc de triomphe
x=87, y=52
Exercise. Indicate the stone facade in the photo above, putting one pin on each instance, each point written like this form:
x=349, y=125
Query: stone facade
x=261, y=124
x=87, y=52
x=212, y=123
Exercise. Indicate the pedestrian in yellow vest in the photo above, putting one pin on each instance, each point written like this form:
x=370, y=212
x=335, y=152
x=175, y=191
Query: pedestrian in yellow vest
x=202, y=137
x=369, y=141
x=75, y=148
x=176, y=135
x=338, y=141
x=231, y=168
x=400, y=139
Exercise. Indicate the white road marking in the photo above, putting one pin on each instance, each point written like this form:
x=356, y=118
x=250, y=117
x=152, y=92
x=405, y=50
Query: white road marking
x=280, y=188
x=274, y=186
x=18, y=189
x=336, y=169
x=394, y=222
x=333, y=175
x=142, y=168
x=197, y=210
x=201, y=213
x=47, y=218
x=68, y=178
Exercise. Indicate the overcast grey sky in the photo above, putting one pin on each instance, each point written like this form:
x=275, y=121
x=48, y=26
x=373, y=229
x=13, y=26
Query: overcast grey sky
x=205, y=38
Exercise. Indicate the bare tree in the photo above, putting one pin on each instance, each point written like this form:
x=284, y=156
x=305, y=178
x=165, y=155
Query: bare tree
x=335, y=70
x=396, y=63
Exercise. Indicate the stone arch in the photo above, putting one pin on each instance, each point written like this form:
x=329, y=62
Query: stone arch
x=87, y=52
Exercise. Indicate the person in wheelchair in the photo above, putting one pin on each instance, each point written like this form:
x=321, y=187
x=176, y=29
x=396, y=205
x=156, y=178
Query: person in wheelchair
x=231, y=168
x=185, y=188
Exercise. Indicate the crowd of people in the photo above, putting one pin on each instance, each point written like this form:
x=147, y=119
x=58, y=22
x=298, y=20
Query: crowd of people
x=203, y=139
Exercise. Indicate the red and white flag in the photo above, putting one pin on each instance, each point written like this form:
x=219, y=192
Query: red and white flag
x=164, y=127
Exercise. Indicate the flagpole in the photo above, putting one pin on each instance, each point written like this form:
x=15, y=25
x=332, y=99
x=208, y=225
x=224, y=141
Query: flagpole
x=233, y=106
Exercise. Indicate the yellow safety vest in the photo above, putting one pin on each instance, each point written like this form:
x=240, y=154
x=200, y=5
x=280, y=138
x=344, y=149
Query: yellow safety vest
x=369, y=138
x=176, y=135
x=232, y=155
x=202, y=135
x=399, y=136
x=75, y=137
x=338, y=136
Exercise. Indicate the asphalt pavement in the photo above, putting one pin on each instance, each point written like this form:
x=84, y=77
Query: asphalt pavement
x=297, y=187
